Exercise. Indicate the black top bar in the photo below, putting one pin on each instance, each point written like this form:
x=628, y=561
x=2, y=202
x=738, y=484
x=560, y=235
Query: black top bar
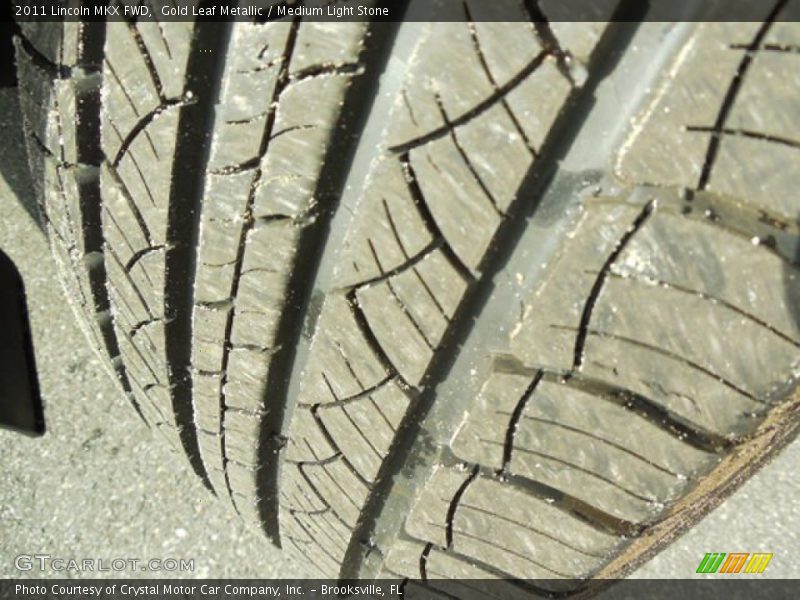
x=392, y=10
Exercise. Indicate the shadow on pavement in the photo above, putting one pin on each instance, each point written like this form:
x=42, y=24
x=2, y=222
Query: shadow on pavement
x=13, y=156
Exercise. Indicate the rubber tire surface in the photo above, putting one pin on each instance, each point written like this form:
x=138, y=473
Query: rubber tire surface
x=474, y=363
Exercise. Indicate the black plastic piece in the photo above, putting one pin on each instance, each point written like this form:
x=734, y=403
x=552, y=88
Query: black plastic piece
x=20, y=401
x=8, y=73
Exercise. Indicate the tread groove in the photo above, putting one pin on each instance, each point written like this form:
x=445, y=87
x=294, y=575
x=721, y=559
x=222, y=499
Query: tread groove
x=404, y=251
x=203, y=71
x=689, y=363
x=455, y=503
x=747, y=133
x=601, y=440
x=87, y=131
x=533, y=529
x=599, y=283
x=733, y=92
x=490, y=76
x=312, y=245
x=282, y=81
x=467, y=162
x=141, y=126
x=500, y=93
x=575, y=507
x=513, y=422
x=708, y=297
x=644, y=407
x=427, y=216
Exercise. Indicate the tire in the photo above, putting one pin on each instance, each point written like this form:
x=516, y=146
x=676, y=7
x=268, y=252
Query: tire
x=444, y=300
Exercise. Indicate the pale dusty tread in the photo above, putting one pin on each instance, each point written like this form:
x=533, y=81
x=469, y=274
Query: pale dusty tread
x=637, y=305
x=265, y=159
x=426, y=218
x=615, y=392
x=139, y=126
